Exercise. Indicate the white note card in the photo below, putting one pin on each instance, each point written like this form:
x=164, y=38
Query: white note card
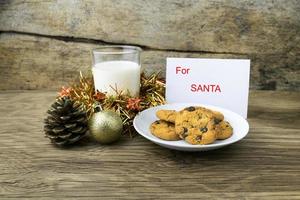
x=218, y=82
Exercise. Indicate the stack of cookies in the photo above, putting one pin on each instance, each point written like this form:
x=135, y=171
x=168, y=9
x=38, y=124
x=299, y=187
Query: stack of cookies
x=195, y=125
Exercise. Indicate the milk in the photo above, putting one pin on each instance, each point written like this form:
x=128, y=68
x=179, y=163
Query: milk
x=120, y=75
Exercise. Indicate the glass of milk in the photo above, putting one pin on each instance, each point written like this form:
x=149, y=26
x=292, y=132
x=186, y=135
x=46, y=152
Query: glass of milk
x=117, y=68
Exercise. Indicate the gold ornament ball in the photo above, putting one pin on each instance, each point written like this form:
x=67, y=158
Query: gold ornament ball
x=106, y=126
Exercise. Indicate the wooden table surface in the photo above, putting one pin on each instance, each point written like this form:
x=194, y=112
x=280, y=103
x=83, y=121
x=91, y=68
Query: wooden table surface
x=264, y=165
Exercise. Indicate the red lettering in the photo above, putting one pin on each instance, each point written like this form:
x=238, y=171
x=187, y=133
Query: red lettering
x=178, y=69
x=218, y=89
x=193, y=88
x=200, y=88
x=182, y=70
x=205, y=88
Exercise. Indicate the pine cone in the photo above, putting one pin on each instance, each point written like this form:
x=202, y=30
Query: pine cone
x=66, y=122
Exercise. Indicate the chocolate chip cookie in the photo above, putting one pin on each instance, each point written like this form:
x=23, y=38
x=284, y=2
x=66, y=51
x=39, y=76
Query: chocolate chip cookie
x=194, y=124
x=204, y=135
x=224, y=130
x=192, y=118
x=164, y=130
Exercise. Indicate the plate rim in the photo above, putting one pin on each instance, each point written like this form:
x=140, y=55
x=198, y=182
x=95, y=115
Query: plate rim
x=190, y=146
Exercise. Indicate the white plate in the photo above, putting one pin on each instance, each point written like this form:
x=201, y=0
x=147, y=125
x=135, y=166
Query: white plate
x=143, y=120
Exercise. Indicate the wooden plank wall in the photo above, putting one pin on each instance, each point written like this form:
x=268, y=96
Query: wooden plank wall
x=43, y=44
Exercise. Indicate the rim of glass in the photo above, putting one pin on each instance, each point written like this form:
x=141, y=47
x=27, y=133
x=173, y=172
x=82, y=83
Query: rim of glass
x=116, y=49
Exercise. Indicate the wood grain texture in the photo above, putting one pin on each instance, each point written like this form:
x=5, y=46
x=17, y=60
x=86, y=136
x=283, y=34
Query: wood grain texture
x=249, y=26
x=51, y=40
x=265, y=165
x=46, y=63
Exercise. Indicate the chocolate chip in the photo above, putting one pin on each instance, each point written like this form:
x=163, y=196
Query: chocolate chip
x=185, y=130
x=170, y=124
x=217, y=121
x=184, y=134
x=190, y=109
x=157, y=122
x=199, y=137
x=203, y=129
